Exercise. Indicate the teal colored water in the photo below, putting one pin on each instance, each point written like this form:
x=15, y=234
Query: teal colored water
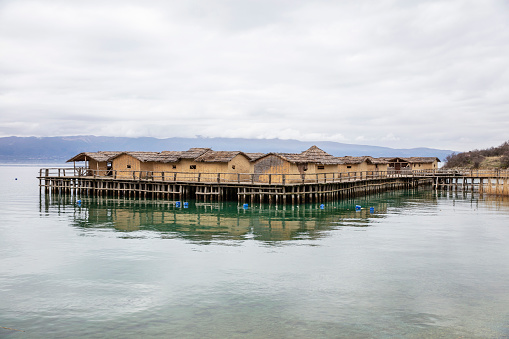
x=422, y=265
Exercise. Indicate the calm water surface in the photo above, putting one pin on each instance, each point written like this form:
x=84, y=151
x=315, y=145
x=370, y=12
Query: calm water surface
x=422, y=265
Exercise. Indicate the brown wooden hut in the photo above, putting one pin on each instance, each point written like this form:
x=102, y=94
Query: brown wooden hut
x=399, y=165
x=229, y=163
x=357, y=164
x=127, y=162
x=98, y=163
x=295, y=166
x=423, y=163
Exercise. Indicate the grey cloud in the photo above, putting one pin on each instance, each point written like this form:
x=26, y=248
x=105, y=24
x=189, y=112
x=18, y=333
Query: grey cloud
x=387, y=72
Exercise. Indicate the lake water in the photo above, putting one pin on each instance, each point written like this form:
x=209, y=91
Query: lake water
x=423, y=264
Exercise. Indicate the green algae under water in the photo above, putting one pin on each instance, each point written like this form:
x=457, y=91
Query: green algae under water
x=423, y=264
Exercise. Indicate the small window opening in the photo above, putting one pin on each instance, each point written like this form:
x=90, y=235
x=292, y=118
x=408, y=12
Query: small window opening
x=192, y=167
x=128, y=166
x=174, y=166
x=321, y=167
x=348, y=166
x=233, y=166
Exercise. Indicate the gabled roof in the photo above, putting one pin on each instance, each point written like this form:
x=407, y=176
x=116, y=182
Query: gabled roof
x=299, y=158
x=141, y=156
x=194, y=153
x=392, y=159
x=170, y=156
x=290, y=157
x=413, y=160
x=379, y=161
x=101, y=156
x=219, y=156
x=356, y=160
x=254, y=156
x=312, y=155
x=422, y=160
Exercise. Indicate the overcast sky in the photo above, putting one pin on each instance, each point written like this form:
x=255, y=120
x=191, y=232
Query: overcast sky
x=383, y=72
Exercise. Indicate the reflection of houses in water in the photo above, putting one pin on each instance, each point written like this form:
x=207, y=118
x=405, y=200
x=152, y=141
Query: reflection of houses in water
x=207, y=222
x=491, y=202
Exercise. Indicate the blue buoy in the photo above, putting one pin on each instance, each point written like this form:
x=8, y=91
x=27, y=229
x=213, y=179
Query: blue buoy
x=186, y=205
x=15, y=178
x=322, y=206
x=245, y=206
x=358, y=207
x=78, y=202
x=177, y=204
x=371, y=210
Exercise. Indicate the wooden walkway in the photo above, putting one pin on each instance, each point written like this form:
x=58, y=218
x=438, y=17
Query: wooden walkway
x=266, y=188
x=494, y=182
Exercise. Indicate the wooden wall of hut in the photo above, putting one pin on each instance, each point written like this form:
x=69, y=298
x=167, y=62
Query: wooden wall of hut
x=273, y=164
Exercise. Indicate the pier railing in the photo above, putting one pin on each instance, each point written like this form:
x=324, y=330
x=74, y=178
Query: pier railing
x=80, y=172
x=243, y=178
x=474, y=173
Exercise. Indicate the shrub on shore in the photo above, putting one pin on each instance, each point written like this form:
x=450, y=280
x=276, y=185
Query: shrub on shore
x=493, y=157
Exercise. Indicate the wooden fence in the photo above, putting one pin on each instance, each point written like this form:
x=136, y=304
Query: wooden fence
x=222, y=178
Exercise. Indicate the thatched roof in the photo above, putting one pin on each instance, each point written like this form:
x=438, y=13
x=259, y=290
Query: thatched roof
x=412, y=160
x=387, y=160
x=254, y=156
x=174, y=153
x=218, y=156
x=101, y=156
x=162, y=157
x=315, y=152
x=379, y=161
x=356, y=160
x=422, y=160
x=311, y=155
x=141, y=156
x=318, y=156
x=291, y=157
x=194, y=153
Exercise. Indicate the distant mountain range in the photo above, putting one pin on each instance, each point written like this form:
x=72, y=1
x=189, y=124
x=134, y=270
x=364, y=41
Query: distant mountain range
x=60, y=149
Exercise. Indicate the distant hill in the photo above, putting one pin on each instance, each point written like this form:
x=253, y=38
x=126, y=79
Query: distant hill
x=493, y=157
x=60, y=149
